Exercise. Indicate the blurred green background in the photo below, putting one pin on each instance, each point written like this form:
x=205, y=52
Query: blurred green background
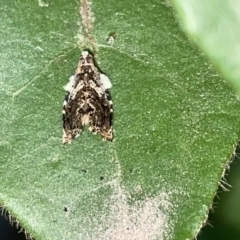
x=223, y=221
x=225, y=217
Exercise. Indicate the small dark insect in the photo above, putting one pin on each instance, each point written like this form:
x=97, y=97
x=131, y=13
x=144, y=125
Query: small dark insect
x=87, y=102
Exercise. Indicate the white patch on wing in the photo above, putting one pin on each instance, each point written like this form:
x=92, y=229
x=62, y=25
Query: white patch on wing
x=105, y=81
x=69, y=86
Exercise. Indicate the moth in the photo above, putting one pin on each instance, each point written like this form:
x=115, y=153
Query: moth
x=87, y=102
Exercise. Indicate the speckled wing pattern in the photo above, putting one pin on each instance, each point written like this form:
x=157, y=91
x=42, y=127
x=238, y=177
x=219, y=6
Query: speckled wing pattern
x=87, y=102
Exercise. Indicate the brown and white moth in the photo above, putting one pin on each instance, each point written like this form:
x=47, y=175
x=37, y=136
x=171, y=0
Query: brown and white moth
x=87, y=101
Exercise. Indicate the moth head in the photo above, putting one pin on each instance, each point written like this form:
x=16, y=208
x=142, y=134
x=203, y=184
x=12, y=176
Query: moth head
x=85, y=54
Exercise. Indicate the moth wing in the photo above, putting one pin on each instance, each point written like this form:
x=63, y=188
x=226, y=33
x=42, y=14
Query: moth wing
x=72, y=122
x=100, y=119
x=69, y=86
x=106, y=83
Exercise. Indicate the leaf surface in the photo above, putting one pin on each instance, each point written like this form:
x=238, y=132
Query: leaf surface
x=175, y=124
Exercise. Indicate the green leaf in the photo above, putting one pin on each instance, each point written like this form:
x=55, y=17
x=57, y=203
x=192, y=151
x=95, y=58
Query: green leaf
x=175, y=123
x=214, y=26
